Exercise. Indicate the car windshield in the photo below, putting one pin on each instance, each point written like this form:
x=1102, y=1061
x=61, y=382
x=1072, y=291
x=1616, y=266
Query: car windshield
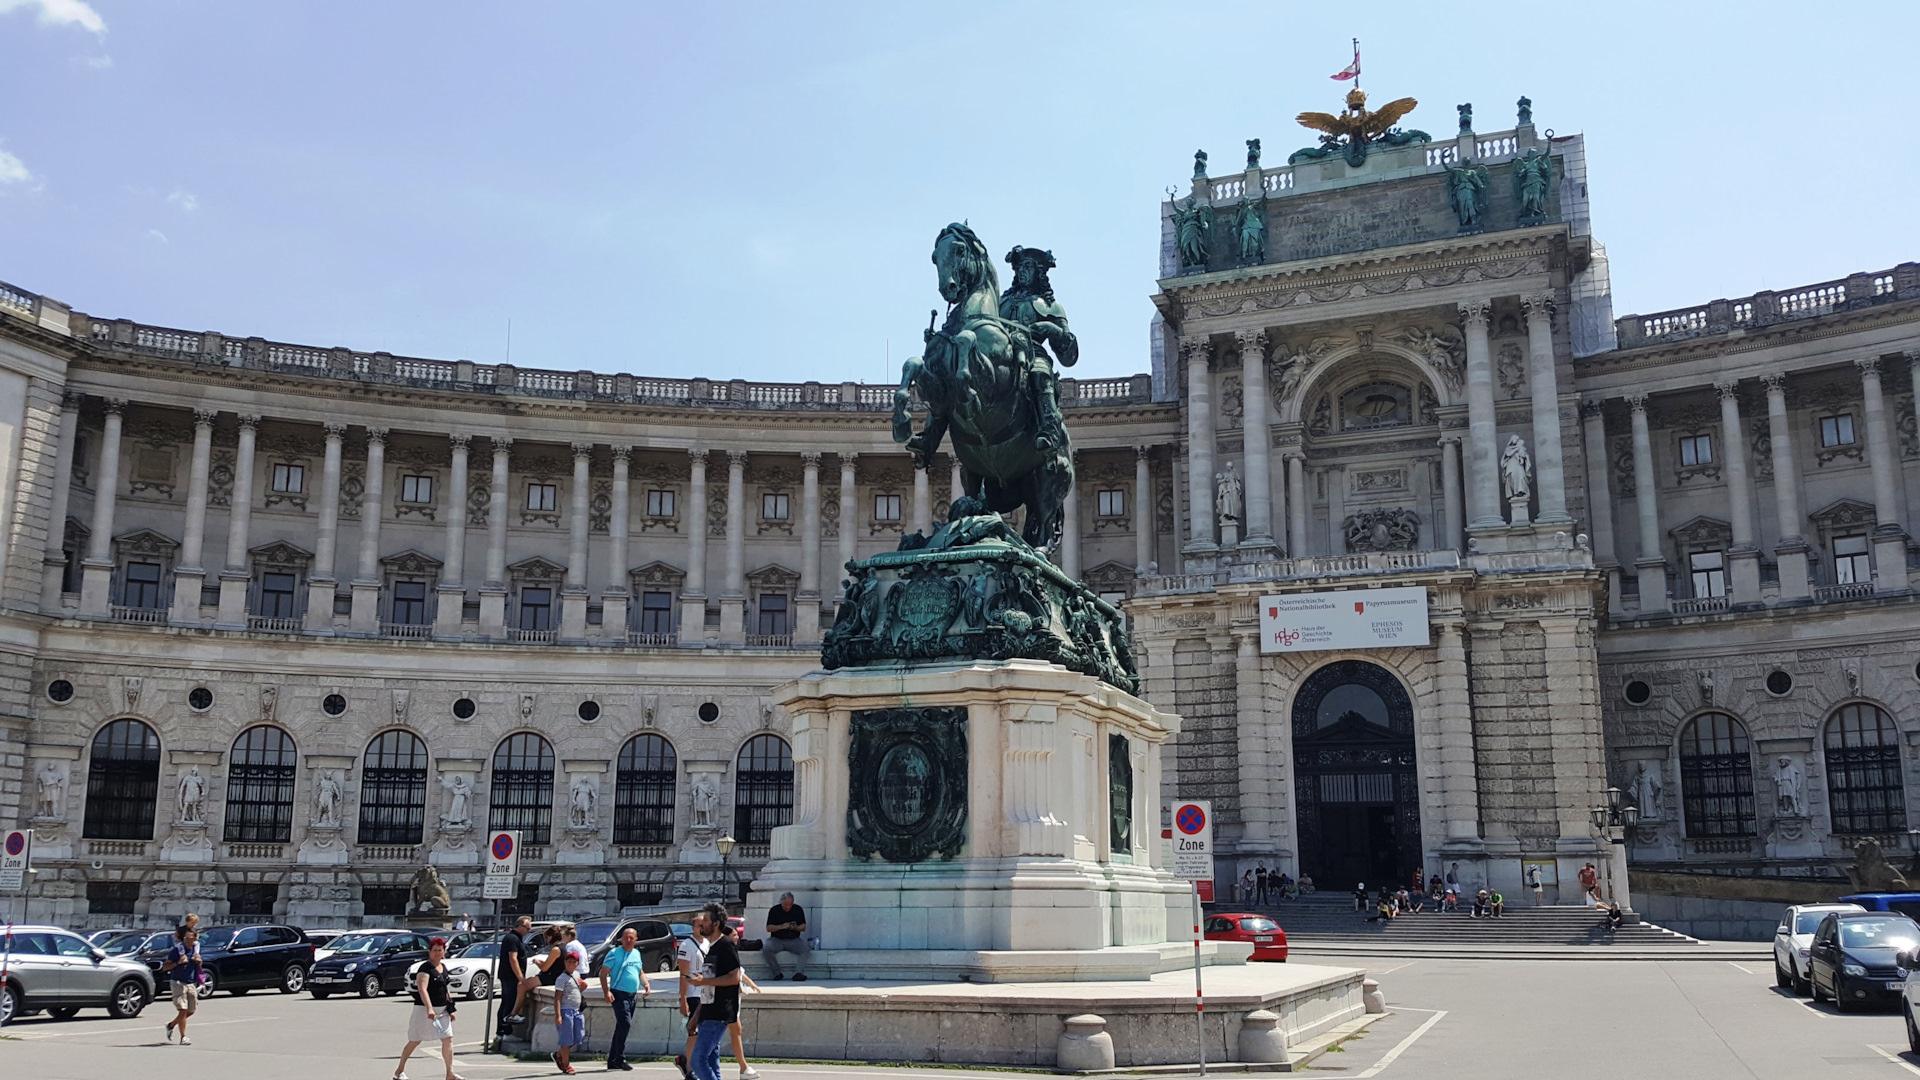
x=481, y=949
x=1259, y=924
x=131, y=943
x=1808, y=921
x=681, y=929
x=1878, y=934
x=218, y=938
x=593, y=933
x=357, y=943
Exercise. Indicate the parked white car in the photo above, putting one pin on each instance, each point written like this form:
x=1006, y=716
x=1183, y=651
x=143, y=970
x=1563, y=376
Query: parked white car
x=1794, y=937
x=469, y=974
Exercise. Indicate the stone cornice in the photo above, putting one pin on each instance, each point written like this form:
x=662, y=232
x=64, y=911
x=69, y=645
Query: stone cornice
x=1783, y=334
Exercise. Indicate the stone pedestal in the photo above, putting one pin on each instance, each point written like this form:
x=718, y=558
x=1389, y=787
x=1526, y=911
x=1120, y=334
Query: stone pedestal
x=1793, y=837
x=965, y=812
x=455, y=846
x=449, y=604
x=1517, y=510
x=324, y=846
x=187, y=843
x=699, y=849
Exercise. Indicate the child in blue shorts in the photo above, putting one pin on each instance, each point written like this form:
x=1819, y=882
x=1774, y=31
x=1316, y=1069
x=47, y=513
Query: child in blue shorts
x=572, y=1027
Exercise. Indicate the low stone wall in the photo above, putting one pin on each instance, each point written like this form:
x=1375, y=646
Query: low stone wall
x=1719, y=908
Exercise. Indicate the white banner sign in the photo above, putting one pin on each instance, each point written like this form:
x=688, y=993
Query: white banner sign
x=1193, y=839
x=1355, y=619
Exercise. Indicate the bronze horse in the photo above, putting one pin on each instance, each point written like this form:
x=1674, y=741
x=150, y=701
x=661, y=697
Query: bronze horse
x=974, y=380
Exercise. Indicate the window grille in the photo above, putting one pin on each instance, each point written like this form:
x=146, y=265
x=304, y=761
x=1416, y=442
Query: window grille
x=644, y=790
x=522, y=795
x=260, y=780
x=762, y=789
x=123, y=782
x=1716, y=777
x=1864, y=790
x=393, y=789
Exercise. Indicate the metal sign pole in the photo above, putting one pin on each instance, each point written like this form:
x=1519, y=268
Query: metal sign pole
x=1199, y=994
x=493, y=1036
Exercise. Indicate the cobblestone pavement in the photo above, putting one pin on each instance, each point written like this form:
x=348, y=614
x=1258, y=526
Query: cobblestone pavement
x=1483, y=1019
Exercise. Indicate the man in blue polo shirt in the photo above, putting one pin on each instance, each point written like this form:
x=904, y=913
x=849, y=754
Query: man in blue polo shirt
x=623, y=975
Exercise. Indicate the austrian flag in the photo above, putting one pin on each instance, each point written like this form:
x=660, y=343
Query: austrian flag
x=1351, y=71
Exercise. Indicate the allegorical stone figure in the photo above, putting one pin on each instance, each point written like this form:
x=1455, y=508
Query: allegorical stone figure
x=1192, y=231
x=1250, y=223
x=1516, y=469
x=52, y=781
x=326, y=800
x=1788, y=799
x=583, y=800
x=1253, y=153
x=459, y=795
x=705, y=795
x=1227, y=495
x=191, y=795
x=1467, y=193
x=1532, y=179
x=1648, y=790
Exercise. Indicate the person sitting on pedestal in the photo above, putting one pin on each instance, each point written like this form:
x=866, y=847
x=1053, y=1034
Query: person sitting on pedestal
x=786, y=927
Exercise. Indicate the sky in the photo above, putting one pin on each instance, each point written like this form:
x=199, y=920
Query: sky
x=752, y=190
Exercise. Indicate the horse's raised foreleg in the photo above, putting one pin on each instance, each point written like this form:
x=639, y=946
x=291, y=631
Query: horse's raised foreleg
x=902, y=419
x=924, y=444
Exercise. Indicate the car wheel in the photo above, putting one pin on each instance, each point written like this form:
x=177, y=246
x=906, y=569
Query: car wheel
x=129, y=997
x=370, y=985
x=1780, y=976
x=64, y=1012
x=480, y=987
x=293, y=979
x=1840, y=1003
x=322, y=995
x=666, y=965
x=206, y=989
x=9, y=1003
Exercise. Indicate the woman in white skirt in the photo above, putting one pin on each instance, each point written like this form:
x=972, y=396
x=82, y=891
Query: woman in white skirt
x=433, y=1017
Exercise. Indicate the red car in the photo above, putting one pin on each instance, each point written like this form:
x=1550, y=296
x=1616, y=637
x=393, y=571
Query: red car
x=1268, y=940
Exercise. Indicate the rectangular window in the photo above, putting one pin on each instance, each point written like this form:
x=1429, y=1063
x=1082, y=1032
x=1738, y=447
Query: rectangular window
x=656, y=613
x=251, y=899
x=773, y=614
x=524, y=901
x=543, y=497
x=276, y=595
x=1850, y=560
x=1836, y=430
x=342, y=603
x=886, y=508
x=1112, y=503
x=773, y=507
x=659, y=503
x=142, y=587
x=1696, y=450
x=1709, y=574
x=290, y=479
x=416, y=489
x=536, y=609
x=384, y=900
x=410, y=603
x=112, y=897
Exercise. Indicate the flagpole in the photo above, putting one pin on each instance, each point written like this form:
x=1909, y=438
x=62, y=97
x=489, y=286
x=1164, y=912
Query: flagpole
x=1356, y=63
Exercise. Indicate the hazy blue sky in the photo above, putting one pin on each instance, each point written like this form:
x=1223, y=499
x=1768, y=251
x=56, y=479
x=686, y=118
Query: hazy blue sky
x=751, y=190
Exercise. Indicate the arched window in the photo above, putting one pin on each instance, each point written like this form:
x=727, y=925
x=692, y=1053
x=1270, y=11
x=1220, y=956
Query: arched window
x=260, y=787
x=644, y=790
x=522, y=795
x=1716, y=776
x=1864, y=791
x=762, y=789
x=123, y=782
x=393, y=789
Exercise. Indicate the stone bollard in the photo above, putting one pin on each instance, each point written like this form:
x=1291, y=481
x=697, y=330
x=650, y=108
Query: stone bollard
x=1370, y=993
x=1261, y=1040
x=1084, y=1045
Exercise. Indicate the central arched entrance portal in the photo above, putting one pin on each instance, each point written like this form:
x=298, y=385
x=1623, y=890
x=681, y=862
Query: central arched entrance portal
x=1356, y=791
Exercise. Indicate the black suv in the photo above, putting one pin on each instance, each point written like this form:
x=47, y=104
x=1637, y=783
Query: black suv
x=368, y=962
x=243, y=958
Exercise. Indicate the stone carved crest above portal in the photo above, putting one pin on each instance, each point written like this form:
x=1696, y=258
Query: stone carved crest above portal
x=1397, y=529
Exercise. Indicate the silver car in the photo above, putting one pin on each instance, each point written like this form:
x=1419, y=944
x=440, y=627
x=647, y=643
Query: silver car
x=45, y=967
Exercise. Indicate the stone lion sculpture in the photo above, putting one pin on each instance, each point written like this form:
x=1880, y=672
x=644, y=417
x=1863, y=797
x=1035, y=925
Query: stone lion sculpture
x=1871, y=872
x=430, y=893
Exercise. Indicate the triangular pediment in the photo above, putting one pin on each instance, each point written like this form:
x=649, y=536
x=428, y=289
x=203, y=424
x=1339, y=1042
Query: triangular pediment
x=1845, y=512
x=1702, y=529
x=657, y=573
x=537, y=568
x=146, y=542
x=773, y=575
x=410, y=561
x=280, y=553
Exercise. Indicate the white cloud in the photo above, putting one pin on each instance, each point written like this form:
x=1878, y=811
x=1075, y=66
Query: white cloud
x=97, y=63
x=158, y=237
x=60, y=13
x=184, y=200
x=13, y=170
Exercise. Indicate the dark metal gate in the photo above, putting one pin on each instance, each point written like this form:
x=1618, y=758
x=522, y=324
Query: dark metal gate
x=1356, y=788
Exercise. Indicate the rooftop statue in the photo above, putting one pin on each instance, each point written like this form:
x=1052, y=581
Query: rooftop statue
x=1250, y=223
x=1192, y=230
x=1353, y=131
x=1466, y=117
x=1199, y=164
x=1526, y=110
x=1467, y=194
x=1253, y=153
x=1532, y=178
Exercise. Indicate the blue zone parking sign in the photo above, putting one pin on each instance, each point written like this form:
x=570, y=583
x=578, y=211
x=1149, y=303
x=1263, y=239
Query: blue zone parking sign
x=1193, y=840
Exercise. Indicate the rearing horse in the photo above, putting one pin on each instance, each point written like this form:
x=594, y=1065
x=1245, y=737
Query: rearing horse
x=973, y=378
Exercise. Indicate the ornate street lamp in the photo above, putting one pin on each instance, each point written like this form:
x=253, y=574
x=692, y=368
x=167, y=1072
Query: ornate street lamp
x=1615, y=821
x=725, y=844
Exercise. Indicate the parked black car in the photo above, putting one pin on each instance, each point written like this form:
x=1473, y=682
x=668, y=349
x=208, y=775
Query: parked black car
x=368, y=962
x=598, y=936
x=243, y=958
x=1853, y=957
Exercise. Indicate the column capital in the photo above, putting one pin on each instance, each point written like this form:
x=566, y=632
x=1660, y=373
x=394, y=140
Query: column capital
x=736, y=459
x=334, y=432
x=206, y=417
x=698, y=458
x=1446, y=439
x=459, y=442
x=1913, y=356
x=582, y=449
x=1141, y=450
x=1775, y=383
x=849, y=458
x=1475, y=312
x=376, y=436
x=1868, y=365
x=1253, y=345
x=1591, y=407
x=116, y=406
x=1637, y=403
x=1537, y=306
x=810, y=459
x=70, y=399
x=501, y=444
x=251, y=422
x=1197, y=349
x=622, y=452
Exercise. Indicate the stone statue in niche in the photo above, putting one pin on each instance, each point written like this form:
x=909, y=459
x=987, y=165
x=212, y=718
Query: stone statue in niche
x=705, y=796
x=326, y=800
x=51, y=779
x=1516, y=469
x=459, y=798
x=191, y=795
x=1227, y=491
x=1467, y=194
x=1250, y=225
x=1649, y=788
x=582, y=802
x=1532, y=179
x=1789, y=793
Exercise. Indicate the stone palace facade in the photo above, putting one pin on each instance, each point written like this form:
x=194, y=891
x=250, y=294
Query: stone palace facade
x=280, y=624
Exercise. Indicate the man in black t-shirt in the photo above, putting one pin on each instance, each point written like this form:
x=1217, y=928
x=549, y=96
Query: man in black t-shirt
x=722, y=973
x=786, y=933
x=507, y=974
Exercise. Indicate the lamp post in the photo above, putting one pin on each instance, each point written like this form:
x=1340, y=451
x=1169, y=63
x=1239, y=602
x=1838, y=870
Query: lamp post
x=725, y=844
x=1614, y=821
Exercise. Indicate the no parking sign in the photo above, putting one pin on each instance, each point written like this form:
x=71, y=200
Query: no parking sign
x=503, y=866
x=1193, y=840
x=16, y=854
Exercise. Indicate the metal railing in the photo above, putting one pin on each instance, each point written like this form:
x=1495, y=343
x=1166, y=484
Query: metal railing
x=532, y=637
x=145, y=616
x=1853, y=590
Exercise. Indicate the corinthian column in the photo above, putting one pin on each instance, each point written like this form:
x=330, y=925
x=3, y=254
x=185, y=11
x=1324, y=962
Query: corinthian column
x=733, y=592
x=1543, y=377
x=1143, y=509
x=237, y=574
x=1791, y=552
x=849, y=521
x=96, y=586
x=321, y=583
x=1483, y=503
x=1651, y=563
x=1889, y=538
x=614, y=598
x=1256, y=438
x=922, y=501
x=366, y=579
x=54, y=558
x=1070, y=530
x=1450, y=496
x=1297, y=503
x=806, y=622
x=451, y=592
x=573, y=594
x=1199, y=445
x=1743, y=559
x=693, y=594
x=493, y=592
x=192, y=571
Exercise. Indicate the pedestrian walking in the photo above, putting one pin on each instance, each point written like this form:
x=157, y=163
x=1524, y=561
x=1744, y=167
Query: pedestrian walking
x=622, y=975
x=1261, y=883
x=1246, y=887
x=1534, y=883
x=722, y=975
x=570, y=1027
x=691, y=957
x=747, y=1072
x=1589, y=885
x=512, y=971
x=786, y=930
x=432, y=1018
x=184, y=975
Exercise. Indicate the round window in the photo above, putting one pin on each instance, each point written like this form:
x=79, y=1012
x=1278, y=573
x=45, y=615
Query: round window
x=200, y=698
x=463, y=709
x=709, y=712
x=1639, y=693
x=60, y=690
x=589, y=711
x=1779, y=683
x=334, y=704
